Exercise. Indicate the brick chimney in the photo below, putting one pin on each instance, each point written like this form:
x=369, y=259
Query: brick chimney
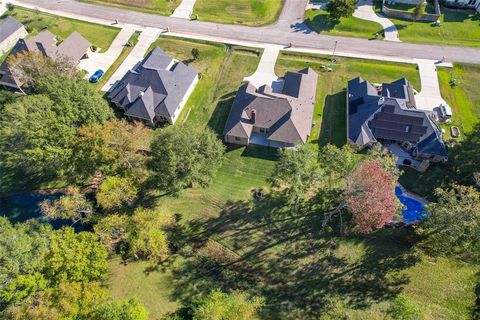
x=253, y=115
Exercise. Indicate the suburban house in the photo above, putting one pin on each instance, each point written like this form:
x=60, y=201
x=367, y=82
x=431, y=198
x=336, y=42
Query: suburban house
x=275, y=119
x=156, y=91
x=387, y=114
x=10, y=31
x=74, y=48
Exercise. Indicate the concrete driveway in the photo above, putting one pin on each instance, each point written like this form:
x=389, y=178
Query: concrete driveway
x=430, y=96
x=184, y=10
x=104, y=60
x=145, y=40
x=365, y=11
x=265, y=73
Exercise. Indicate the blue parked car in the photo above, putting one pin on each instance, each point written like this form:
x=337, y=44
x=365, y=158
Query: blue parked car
x=96, y=76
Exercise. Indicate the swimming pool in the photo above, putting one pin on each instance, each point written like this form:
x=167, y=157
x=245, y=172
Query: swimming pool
x=414, y=210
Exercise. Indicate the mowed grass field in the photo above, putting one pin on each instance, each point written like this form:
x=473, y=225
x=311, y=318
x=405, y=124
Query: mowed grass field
x=99, y=35
x=318, y=21
x=247, y=12
x=459, y=28
x=163, y=7
x=282, y=256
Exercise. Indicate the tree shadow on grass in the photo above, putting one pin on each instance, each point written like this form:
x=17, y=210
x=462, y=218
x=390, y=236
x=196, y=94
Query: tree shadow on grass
x=266, y=248
x=322, y=23
x=333, y=129
x=220, y=114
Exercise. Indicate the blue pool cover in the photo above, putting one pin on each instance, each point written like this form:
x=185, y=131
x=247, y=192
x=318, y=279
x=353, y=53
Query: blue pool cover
x=414, y=210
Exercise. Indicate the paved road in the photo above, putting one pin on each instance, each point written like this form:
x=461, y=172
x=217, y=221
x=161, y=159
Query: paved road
x=289, y=29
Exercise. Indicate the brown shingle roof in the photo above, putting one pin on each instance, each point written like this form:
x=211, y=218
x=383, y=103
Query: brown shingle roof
x=287, y=115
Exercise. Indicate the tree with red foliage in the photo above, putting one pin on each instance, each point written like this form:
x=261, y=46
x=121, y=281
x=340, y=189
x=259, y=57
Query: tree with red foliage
x=370, y=196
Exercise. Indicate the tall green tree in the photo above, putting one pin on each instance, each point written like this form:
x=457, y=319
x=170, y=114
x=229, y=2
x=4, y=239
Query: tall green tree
x=386, y=159
x=452, y=226
x=113, y=230
x=33, y=140
x=148, y=237
x=183, y=157
x=36, y=130
x=130, y=309
x=116, y=192
x=341, y=8
x=70, y=300
x=22, y=251
x=336, y=162
x=223, y=306
x=77, y=257
x=112, y=147
x=297, y=171
x=71, y=206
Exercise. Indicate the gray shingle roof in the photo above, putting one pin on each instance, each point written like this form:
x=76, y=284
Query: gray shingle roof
x=390, y=116
x=150, y=90
x=287, y=115
x=74, y=47
x=8, y=26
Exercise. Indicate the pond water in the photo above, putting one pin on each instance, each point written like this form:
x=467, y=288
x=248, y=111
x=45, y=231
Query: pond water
x=25, y=206
x=413, y=210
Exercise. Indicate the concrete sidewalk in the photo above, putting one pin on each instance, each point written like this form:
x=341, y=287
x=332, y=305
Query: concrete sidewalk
x=145, y=40
x=3, y=7
x=365, y=11
x=105, y=60
x=184, y=10
x=430, y=96
x=265, y=73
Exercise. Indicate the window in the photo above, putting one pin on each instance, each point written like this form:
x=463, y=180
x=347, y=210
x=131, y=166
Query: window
x=262, y=130
x=237, y=139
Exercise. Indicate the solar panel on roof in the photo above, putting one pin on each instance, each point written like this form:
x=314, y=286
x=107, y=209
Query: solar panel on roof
x=389, y=108
x=400, y=118
x=396, y=135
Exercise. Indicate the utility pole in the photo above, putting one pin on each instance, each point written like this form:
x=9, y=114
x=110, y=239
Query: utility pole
x=334, y=49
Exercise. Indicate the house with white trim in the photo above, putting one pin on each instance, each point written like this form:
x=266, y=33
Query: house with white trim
x=156, y=90
x=10, y=32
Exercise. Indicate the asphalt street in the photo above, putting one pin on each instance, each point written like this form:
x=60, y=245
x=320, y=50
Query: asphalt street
x=288, y=29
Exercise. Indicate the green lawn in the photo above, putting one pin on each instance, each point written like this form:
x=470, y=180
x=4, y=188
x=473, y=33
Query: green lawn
x=247, y=12
x=99, y=35
x=464, y=100
x=318, y=21
x=287, y=258
x=139, y=280
x=459, y=28
x=163, y=7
